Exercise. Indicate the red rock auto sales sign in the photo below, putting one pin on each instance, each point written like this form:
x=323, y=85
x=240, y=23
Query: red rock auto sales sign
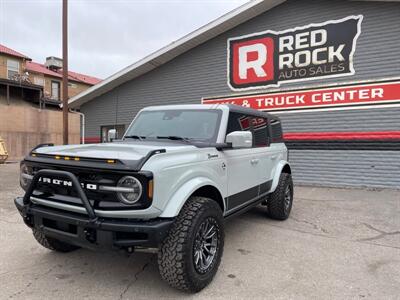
x=351, y=95
x=270, y=58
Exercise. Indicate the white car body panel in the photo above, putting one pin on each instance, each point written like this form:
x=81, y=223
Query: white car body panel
x=123, y=151
x=175, y=173
x=185, y=168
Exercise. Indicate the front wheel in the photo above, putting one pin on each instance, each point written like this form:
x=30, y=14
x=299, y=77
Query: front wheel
x=191, y=253
x=280, y=201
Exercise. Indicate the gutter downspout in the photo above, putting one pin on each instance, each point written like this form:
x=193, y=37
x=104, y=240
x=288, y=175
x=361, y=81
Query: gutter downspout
x=83, y=123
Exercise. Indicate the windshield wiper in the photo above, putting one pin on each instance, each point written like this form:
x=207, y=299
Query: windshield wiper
x=136, y=137
x=174, y=138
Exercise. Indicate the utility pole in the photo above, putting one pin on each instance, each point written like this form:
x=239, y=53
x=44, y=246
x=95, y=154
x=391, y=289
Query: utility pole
x=65, y=69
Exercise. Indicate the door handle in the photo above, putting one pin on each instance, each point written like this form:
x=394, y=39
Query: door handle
x=254, y=161
x=274, y=157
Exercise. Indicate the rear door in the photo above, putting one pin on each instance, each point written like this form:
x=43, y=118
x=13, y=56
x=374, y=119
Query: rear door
x=242, y=166
x=263, y=153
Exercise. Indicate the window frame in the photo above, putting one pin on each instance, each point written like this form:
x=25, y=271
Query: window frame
x=59, y=90
x=251, y=128
x=268, y=132
x=281, y=138
x=12, y=69
x=213, y=139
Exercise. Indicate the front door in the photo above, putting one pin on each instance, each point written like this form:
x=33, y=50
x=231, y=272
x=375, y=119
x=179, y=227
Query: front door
x=242, y=167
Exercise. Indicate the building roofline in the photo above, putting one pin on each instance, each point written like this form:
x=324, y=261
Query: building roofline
x=220, y=25
x=39, y=68
x=228, y=21
x=11, y=52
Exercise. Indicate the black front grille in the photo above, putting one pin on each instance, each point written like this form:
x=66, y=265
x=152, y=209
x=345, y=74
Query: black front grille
x=104, y=200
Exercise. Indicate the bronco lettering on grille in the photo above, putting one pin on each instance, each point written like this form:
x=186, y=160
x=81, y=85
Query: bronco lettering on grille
x=67, y=183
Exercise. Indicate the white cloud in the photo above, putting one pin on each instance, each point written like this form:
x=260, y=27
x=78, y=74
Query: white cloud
x=104, y=36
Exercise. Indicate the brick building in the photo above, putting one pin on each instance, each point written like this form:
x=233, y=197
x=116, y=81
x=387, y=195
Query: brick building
x=30, y=98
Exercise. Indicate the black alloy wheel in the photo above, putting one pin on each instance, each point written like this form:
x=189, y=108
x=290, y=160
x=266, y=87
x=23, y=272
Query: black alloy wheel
x=205, y=245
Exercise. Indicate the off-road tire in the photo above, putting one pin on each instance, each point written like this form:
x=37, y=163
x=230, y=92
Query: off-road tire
x=176, y=256
x=276, y=202
x=51, y=243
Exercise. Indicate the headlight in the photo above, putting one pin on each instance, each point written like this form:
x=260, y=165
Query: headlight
x=25, y=176
x=133, y=190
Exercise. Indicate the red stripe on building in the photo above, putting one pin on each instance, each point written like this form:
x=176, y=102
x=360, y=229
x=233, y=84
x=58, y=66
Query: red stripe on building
x=318, y=136
x=362, y=94
x=92, y=139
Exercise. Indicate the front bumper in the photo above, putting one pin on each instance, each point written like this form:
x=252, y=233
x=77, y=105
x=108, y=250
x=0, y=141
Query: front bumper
x=88, y=230
x=101, y=233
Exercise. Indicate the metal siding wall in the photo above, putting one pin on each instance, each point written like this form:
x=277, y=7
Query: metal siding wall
x=201, y=72
x=346, y=168
x=377, y=119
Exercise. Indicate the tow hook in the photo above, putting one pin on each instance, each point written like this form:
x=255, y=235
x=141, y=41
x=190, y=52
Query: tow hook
x=28, y=220
x=90, y=235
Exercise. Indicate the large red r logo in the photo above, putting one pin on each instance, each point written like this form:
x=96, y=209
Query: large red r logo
x=252, y=61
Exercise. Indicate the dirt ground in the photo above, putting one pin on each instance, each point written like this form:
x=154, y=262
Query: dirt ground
x=337, y=244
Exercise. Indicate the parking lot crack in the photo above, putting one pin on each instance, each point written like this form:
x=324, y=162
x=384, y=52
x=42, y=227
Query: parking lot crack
x=315, y=226
x=320, y=200
x=303, y=231
x=135, y=278
x=381, y=234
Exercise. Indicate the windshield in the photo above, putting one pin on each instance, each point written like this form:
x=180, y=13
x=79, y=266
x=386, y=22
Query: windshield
x=200, y=125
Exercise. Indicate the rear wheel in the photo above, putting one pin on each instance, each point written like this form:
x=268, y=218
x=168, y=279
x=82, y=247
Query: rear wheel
x=280, y=201
x=191, y=253
x=51, y=243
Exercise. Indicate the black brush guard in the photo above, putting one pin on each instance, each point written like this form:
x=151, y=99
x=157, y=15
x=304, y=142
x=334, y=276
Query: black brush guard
x=90, y=231
x=75, y=184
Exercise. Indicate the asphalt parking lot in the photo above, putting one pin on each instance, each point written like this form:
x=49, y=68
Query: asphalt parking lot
x=337, y=244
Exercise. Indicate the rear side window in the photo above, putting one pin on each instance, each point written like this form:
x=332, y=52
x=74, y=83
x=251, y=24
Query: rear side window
x=258, y=126
x=276, y=131
x=260, y=132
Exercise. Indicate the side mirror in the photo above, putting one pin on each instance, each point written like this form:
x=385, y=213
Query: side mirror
x=240, y=139
x=111, y=135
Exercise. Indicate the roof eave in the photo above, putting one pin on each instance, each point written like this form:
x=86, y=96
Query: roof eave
x=176, y=48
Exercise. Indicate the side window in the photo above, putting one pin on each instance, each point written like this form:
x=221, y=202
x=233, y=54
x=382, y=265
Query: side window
x=258, y=126
x=238, y=122
x=276, y=131
x=260, y=132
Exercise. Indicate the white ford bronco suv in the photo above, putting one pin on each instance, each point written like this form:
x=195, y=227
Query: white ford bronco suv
x=167, y=186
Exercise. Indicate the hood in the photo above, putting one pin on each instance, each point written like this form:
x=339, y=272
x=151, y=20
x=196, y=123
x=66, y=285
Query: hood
x=121, y=151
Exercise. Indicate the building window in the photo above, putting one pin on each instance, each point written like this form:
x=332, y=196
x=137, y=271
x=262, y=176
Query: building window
x=55, y=90
x=12, y=68
x=38, y=80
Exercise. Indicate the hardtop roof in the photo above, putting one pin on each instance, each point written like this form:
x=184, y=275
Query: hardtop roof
x=230, y=107
x=250, y=111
